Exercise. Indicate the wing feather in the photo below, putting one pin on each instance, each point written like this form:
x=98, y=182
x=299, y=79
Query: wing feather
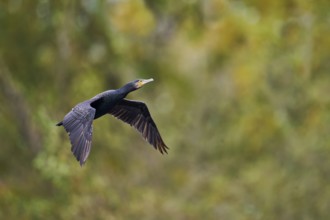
x=78, y=124
x=138, y=116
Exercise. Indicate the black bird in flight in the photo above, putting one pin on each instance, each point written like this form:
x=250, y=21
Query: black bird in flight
x=78, y=122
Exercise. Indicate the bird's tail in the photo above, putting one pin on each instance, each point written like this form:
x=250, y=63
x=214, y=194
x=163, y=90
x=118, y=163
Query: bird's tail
x=60, y=123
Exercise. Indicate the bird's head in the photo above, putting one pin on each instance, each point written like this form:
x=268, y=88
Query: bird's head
x=141, y=82
x=134, y=85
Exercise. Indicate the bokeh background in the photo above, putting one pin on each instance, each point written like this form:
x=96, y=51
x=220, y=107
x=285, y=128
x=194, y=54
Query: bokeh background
x=241, y=97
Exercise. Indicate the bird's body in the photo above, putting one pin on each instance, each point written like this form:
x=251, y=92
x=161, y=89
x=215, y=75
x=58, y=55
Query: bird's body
x=104, y=101
x=78, y=122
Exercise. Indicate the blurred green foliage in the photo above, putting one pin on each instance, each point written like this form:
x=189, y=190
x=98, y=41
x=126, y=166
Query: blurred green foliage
x=241, y=97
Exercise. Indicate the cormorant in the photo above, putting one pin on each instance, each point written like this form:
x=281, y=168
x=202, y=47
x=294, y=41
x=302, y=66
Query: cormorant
x=78, y=122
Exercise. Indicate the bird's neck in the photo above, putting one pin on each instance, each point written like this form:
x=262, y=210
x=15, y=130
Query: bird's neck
x=123, y=91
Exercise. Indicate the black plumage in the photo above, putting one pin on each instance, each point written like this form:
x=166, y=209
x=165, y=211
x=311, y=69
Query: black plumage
x=78, y=122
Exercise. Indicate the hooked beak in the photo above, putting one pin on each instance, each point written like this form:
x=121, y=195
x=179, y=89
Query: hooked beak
x=142, y=82
x=145, y=81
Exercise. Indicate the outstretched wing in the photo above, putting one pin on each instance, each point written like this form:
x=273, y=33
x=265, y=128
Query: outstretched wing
x=137, y=115
x=78, y=124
